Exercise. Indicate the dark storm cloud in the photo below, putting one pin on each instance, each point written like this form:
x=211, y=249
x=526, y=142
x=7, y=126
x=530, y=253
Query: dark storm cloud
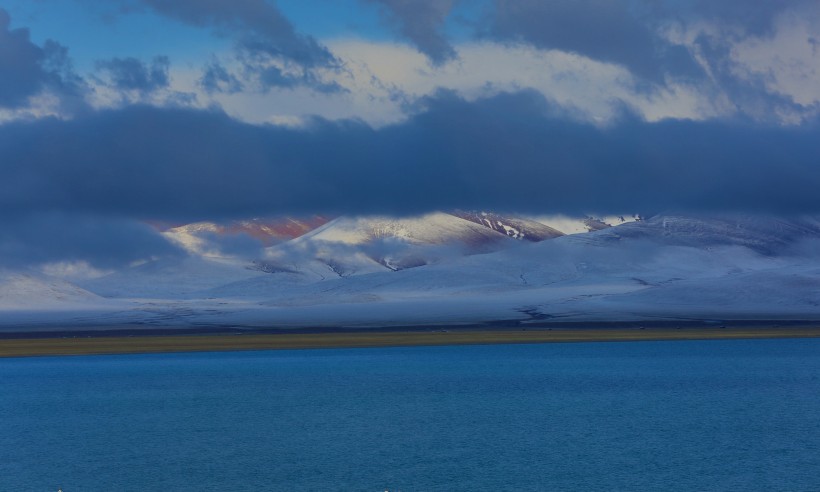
x=422, y=23
x=510, y=152
x=131, y=74
x=26, y=69
x=103, y=242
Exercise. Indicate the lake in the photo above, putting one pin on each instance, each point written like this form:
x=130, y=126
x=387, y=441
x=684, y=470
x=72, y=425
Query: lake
x=687, y=415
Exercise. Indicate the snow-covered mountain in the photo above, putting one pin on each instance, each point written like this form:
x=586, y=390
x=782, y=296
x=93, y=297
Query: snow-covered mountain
x=435, y=228
x=357, y=272
x=209, y=238
x=584, y=224
x=355, y=245
x=170, y=278
x=764, y=234
x=514, y=227
x=32, y=290
x=213, y=238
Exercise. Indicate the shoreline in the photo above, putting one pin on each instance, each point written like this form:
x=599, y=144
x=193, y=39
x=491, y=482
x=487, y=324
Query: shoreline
x=112, y=344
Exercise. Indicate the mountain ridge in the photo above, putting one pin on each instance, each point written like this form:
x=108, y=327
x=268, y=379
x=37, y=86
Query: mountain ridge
x=665, y=266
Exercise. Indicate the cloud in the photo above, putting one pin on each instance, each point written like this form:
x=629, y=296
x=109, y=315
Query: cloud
x=21, y=71
x=692, y=42
x=265, y=40
x=594, y=90
x=268, y=76
x=257, y=24
x=131, y=74
x=42, y=238
x=27, y=70
x=743, y=17
x=422, y=23
x=217, y=78
x=785, y=61
x=632, y=33
x=772, y=73
x=614, y=32
x=511, y=152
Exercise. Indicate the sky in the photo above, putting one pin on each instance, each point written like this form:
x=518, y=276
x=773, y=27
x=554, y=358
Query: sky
x=114, y=114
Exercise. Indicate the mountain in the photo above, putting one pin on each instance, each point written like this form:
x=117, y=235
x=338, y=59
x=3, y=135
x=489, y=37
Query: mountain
x=245, y=237
x=584, y=224
x=434, y=228
x=639, y=271
x=214, y=238
x=170, y=278
x=355, y=245
x=514, y=227
x=357, y=272
x=766, y=235
x=31, y=290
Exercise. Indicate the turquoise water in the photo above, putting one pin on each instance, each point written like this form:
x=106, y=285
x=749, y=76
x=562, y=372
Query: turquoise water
x=712, y=415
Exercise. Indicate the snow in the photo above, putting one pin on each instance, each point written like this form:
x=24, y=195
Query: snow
x=581, y=225
x=346, y=273
x=171, y=278
x=27, y=290
x=190, y=241
x=435, y=228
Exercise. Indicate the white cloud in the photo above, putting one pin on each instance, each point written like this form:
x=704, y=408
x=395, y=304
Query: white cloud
x=788, y=62
x=43, y=105
x=383, y=74
x=783, y=62
x=381, y=78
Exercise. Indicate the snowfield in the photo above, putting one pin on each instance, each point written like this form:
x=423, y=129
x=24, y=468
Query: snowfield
x=442, y=269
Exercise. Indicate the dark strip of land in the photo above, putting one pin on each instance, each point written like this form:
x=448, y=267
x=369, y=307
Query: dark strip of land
x=90, y=345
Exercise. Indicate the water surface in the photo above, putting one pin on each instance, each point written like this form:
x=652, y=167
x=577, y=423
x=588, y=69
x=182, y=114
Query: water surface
x=694, y=415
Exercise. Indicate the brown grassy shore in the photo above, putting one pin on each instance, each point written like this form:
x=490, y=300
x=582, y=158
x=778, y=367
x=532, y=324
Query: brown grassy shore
x=66, y=345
